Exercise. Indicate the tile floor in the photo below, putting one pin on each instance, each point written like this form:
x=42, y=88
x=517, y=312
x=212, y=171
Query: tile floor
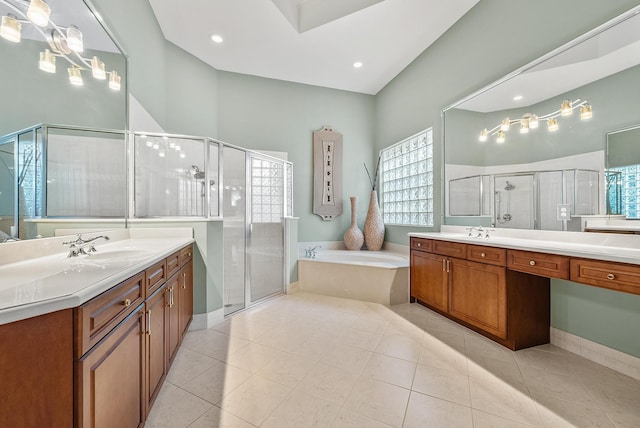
x=306, y=360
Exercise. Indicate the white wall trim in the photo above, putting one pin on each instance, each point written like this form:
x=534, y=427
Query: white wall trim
x=608, y=357
x=208, y=320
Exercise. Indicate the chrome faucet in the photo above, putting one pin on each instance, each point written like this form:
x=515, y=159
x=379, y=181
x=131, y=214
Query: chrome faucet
x=82, y=246
x=310, y=253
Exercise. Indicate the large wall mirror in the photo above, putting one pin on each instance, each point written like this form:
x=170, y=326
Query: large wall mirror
x=530, y=150
x=61, y=68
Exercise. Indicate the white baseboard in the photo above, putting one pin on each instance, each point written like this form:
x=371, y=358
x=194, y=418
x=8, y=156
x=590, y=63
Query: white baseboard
x=608, y=357
x=204, y=321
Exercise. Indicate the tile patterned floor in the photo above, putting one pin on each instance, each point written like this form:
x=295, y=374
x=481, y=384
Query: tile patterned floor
x=306, y=360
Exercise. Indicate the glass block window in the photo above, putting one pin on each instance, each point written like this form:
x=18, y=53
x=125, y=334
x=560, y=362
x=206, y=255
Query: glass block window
x=267, y=191
x=629, y=187
x=406, y=173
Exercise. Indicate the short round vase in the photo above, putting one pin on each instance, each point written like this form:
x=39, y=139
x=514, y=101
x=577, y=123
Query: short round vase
x=353, y=238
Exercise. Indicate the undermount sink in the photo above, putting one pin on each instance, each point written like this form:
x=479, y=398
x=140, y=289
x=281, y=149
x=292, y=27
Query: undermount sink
x=119, y=254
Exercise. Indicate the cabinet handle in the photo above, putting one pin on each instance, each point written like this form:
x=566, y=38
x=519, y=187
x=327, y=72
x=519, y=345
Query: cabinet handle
x=172, y=297
x=126, y=303
x=482, y=254
x=149, y=322
x=611, y=276
x=532, y=262
x=444, y=265
x=184, y=282
x=448, y=266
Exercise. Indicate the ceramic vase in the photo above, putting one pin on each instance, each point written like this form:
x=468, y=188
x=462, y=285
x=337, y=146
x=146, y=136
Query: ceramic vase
x=353, y=238
x=373, y=225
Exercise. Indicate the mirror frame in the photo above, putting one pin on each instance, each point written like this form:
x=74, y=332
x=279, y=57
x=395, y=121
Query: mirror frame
x=580, y=39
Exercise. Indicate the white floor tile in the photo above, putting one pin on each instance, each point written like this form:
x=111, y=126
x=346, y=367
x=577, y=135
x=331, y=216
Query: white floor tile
x=255, y=399
x=443, y=384
x=425, y=411
x=302, y=410
x=379, y=400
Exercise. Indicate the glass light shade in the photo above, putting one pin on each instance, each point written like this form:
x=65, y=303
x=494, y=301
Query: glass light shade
x=75, y=77
x=38, y=13
x=586, y=112
x=566, y=109
x=505, y=124
x=114, y=81
x=97, y=68
x=10, y=29
x=484, y=134
x=47, y=61
x=74, y=39
x=533, y=121
x=501, y=137
x=524, y=127
x=552, y=125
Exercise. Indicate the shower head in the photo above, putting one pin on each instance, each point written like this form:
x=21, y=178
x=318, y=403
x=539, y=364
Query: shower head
x=509, y=186
x=197, y=174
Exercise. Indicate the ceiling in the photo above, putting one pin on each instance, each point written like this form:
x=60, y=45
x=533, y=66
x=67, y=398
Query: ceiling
x=314, y=42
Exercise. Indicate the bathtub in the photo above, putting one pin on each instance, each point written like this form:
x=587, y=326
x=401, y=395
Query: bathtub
x=372, y=276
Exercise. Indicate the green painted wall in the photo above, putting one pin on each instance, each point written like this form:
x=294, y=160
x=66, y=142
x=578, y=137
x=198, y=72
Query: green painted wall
x=267, y=114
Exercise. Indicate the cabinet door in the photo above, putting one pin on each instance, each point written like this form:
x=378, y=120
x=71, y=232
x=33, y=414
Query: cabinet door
x=429, y=279
x=110, y=378
x=156, y=344
x=478, y=295
x=186, y=296
x=172, y=306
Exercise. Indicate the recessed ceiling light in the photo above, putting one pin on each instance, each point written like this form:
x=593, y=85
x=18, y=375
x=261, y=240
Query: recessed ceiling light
x=216, y=38
x=517, y=98
x=357, y=64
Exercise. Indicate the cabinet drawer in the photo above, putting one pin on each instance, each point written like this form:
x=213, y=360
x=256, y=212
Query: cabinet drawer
x=156, y=276
x=96, y=318
x=490, y=255
x=453, y=249
x=549, y=265
x=615, y=276
x=186, y=254
x=173, y=264
x=421, y=244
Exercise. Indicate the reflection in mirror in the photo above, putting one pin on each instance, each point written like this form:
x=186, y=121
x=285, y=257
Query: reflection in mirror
x=623, y=172
x=33, y=94
x=545, y=124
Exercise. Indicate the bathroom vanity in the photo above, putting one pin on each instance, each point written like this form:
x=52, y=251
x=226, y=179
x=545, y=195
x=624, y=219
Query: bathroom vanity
x=100, y=359
x=499, y=286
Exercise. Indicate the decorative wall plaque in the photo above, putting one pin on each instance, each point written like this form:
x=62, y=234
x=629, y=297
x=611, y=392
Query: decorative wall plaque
x=327, y=173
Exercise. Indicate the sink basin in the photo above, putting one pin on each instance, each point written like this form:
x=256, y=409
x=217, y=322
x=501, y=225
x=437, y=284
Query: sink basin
x=117, y=255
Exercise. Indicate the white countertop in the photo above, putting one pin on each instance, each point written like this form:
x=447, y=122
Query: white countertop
x=50, y=281
x=598, y=246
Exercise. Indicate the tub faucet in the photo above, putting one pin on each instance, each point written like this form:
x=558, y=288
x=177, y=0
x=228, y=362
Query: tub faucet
x=310, y=253
x=82, y=246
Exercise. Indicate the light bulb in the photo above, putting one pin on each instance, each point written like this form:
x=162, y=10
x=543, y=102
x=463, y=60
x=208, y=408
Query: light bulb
x=533, y=121
x=114, y=81
x=97, y=68
x=10, y=28
x=39, y=12
x=75, y=77
x=505, y=124
x=74, y=39
x=552, y=125
x=47, y=61
x=501, y=137
x=586, y=112
x=484, y=134
x=566, y=109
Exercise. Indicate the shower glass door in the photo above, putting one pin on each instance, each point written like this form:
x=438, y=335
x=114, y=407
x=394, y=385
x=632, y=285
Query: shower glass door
x=234, y=227
x=266, y=231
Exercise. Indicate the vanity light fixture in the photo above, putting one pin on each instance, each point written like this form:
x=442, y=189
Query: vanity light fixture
x=531, y=121
x=64, y=41
x=10, y=28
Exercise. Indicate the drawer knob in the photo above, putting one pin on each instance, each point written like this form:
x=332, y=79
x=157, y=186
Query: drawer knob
x=419, y=244
x=188, y=254
x=611, y=276
x=532, y=262
x=482, y=255
x=126, y=303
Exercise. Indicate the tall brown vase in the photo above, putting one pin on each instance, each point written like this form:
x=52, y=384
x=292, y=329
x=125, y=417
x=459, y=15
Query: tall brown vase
x=353, y=238
x=373, y=225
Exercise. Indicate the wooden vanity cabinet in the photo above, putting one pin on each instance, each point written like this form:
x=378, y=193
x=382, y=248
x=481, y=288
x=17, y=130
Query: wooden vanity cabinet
x=185, y=297
x=472, y=285
x=156, y=344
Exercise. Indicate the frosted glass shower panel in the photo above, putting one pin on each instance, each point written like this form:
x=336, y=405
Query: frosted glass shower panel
x=465, y=196
x=170, y=178
x=514, y=201
x=587, y=194
x=86, y=173
x=550, y=190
